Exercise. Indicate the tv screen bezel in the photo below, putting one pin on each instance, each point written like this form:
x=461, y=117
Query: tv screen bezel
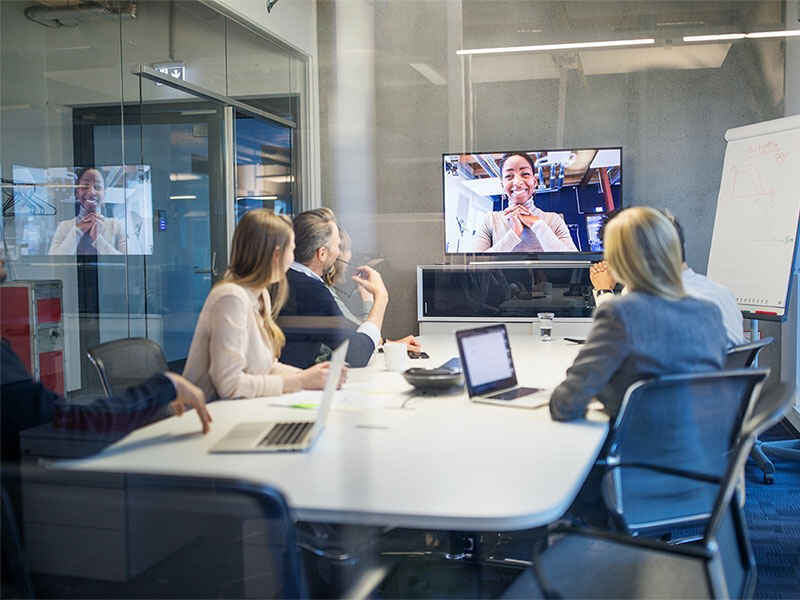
x=582, y=255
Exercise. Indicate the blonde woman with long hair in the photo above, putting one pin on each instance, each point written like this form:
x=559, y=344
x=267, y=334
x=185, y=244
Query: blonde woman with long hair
x=654, y=329
x=235, y=348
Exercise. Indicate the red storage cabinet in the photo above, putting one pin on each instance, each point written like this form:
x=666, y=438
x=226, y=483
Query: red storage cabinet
x=31, y=320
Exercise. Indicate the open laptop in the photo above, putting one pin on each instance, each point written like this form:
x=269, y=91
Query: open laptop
x=285, y=436
x=489, y=369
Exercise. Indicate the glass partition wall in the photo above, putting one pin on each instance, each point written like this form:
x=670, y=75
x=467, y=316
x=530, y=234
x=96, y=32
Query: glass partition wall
x=162, y=163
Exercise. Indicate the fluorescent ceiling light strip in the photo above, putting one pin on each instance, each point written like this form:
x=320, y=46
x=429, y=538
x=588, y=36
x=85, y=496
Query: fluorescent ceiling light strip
x=187, y=197
x=570, y=46
x=772, y=34
x=739, y=36
x=714, y=38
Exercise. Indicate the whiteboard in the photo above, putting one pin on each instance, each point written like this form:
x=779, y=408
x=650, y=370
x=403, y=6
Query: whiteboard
x=756, y=226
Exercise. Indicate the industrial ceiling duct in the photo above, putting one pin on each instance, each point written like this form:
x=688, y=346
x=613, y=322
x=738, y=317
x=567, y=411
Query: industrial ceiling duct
x=70, y=14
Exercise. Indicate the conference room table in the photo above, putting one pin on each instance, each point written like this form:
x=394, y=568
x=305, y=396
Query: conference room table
x=390, y=456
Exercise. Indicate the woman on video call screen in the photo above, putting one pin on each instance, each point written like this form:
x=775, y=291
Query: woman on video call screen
x=529, y=202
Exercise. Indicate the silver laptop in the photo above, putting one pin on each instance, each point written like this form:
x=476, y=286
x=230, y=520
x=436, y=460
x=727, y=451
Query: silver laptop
x=285, y=436
x=489, y=369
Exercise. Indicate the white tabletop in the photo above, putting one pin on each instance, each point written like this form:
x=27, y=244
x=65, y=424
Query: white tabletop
x=438, y=462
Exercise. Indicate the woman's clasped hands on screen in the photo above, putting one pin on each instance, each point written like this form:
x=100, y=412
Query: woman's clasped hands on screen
x=89, y=222
x=519, y=217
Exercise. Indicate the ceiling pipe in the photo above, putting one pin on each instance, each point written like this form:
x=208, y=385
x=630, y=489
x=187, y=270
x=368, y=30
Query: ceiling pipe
x=71, y=16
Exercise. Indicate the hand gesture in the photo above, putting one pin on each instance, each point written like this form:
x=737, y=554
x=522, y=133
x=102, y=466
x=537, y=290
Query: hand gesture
x=411, y=343
x=187, y=396
x=90, y=223
x=313, y=378
x=515, y=222
x=600, y=276
x=94, y=231
x=518, y=217
x=371, y=281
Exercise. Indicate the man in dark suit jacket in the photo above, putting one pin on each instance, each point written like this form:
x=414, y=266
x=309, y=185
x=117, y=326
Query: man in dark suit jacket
x=311, y=320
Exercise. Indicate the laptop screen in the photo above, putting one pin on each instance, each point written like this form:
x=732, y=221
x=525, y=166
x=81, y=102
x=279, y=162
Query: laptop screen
x=486, y=359
x=337, y=364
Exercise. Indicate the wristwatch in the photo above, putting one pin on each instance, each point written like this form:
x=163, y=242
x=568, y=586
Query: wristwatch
x=601, y=292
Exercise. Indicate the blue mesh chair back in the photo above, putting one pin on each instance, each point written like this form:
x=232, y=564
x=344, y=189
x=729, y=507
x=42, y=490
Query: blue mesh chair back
x=583, y=562
x=126, y=362
x=689, y=422
x=731, y=567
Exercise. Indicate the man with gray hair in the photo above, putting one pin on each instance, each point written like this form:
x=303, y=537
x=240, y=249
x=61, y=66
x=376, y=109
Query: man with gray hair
x=311, y=319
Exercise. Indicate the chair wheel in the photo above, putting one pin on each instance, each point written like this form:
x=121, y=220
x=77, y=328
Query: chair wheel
x=768, y=479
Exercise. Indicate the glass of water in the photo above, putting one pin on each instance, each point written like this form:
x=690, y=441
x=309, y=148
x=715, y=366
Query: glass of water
x=545, y=326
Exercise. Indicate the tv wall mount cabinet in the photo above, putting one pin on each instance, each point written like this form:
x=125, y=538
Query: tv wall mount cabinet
x=507, y=292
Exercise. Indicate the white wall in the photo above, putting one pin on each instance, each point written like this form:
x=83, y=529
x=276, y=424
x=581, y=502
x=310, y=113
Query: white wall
x=293, y=22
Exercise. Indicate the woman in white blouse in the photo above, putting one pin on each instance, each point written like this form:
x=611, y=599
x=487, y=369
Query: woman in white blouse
x=236, y=343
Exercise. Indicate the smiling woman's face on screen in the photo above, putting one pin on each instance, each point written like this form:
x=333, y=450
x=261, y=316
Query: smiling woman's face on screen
x=91, y=190
x=518, y=180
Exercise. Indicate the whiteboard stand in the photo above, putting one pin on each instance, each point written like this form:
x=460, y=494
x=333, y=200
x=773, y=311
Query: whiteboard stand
x=753, y=246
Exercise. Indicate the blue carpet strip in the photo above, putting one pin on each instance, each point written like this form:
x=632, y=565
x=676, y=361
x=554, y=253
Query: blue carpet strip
x=773, y=518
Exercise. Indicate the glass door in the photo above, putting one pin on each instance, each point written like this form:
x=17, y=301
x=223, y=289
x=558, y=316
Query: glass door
x=193, y=163
x=182, y=144
x=264, y=165
x=167, y=192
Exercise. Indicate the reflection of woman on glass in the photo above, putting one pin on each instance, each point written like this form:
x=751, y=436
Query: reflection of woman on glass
x=89, y=232
x=522, y=227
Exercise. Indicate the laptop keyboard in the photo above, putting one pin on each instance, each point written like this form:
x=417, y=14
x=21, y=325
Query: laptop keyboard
x=514, y=393
x=283, y=434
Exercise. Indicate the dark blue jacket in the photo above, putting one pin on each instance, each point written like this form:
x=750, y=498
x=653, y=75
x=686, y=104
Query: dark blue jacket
x=311, y=340
x=27, y=403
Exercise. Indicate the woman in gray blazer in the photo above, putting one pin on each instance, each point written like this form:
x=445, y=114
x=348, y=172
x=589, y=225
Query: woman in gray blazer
x=653, y=330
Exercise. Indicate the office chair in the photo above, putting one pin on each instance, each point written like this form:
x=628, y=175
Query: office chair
x=174, y=536
x=686, y=421
x=164, y=536
x=16, y=576
x=126, y=362
x=593, y=563
x=746, y=355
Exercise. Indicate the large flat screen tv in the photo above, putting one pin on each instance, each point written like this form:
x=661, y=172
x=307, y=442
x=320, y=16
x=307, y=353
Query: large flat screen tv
x=530, y=202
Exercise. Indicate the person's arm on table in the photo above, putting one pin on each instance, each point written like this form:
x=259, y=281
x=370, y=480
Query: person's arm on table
x=27, y=403
x=138, y=406
x=599, y=358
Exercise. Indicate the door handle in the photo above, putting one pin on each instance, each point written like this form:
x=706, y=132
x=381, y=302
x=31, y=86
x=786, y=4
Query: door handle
x=212, y=270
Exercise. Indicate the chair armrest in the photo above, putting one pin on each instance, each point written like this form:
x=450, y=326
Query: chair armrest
x=667, y=470
x=627, y=540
